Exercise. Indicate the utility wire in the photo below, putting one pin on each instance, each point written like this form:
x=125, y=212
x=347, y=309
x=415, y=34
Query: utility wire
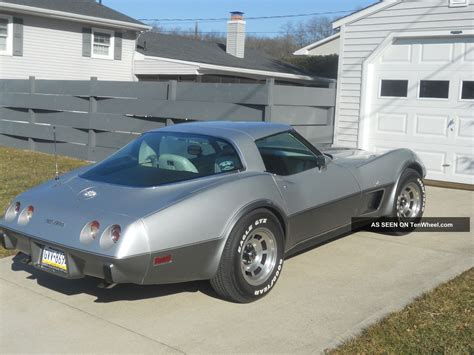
x=179, y=20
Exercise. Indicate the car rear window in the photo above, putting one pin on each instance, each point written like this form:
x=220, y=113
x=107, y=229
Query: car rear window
x=158, y=158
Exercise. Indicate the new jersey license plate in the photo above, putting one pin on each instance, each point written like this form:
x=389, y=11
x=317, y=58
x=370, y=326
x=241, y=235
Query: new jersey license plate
x=54, y=259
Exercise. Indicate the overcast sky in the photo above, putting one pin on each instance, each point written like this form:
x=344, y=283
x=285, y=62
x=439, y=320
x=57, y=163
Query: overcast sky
x=141, y=9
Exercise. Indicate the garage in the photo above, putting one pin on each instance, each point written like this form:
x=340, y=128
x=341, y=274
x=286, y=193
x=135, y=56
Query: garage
x=405, y=80
x=420, y=95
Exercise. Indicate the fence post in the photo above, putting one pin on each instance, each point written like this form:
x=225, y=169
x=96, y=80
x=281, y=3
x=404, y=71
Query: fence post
x=32, y=114
x=172, y=88
x=332, y=112
x=91, y=144
x=270, y=84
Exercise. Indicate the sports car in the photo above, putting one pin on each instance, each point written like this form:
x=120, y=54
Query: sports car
x=218, y=201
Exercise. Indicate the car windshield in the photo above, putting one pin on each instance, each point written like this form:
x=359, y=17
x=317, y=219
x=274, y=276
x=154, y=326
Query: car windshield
x=158, y=158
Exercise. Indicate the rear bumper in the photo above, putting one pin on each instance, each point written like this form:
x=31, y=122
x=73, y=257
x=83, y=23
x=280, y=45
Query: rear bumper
x=189, y=263
x=80, y=263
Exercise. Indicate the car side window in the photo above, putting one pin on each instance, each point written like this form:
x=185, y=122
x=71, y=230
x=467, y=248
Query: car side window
x=285, y=154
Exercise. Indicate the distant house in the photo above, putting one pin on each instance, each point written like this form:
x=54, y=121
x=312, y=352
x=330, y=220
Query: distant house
x=66, y=39
x=80, y=39
x=406, y=79
x=165, y=57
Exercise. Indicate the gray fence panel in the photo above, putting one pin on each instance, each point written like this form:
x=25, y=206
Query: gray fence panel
x=300, y=115
x=32, y=130
x=113, y=139
x=44, y=102
x=63, y=148
x=94, y=118
x=250, y=94
x=192, y=110
x=58, y=87
x=14, y=114
x=143, y=90
x=316, y=134
x=61, y=118
x=11, y=85
x=14, y=141
x=111, y=122
x=303, y=96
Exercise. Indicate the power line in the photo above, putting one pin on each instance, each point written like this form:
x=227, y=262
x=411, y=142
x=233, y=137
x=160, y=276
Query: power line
x=180, y=20
x=216, y=32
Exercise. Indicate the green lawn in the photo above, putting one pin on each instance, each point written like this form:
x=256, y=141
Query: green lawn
x=439, y=322
x=21, y=170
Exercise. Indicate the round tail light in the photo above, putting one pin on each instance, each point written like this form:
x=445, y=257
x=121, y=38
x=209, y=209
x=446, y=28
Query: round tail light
x=90, y=232
x=115, y=233
x=94, y=229
x=26, y=215
x=12, y=211
x=110, y=237
x=29, y=212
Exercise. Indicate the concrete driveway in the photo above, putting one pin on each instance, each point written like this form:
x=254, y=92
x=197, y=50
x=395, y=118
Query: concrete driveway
x=323, y=296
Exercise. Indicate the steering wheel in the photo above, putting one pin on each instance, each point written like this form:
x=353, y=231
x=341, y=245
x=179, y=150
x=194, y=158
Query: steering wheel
x=176, y=162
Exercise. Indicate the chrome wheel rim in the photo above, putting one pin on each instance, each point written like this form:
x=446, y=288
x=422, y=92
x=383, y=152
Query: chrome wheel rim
x=258, y=256
x=409, y=201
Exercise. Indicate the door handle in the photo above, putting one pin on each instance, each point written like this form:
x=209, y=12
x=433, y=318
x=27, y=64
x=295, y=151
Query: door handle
x=451, y=124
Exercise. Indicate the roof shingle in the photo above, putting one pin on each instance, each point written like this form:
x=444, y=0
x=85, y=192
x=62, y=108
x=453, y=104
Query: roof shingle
x=80, y=7
x=199, y=51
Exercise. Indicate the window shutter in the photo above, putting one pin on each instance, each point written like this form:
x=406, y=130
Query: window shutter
x=86, y=41
x=118, y=46
x=17, y=36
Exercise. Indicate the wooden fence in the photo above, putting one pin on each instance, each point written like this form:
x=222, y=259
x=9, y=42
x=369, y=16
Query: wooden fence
x=95, y=118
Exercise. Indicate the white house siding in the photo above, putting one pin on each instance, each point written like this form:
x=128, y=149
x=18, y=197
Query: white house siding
x=155, y=66
x=360, y=38
x=52, y=49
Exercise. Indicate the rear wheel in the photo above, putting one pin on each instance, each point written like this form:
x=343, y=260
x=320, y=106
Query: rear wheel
x=252, y=258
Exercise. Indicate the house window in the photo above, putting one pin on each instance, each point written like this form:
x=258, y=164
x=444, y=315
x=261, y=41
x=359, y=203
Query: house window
x=467, y=91
x=102, y=44
x=6, y=36
x=434, y=89
x=457, y=3
x=394, y=88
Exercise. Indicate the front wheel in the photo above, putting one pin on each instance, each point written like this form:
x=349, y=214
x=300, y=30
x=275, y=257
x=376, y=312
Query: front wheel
x=410, y=198
x=252, y=259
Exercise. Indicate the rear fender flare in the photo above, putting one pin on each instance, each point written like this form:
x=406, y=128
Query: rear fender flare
x=271, y=206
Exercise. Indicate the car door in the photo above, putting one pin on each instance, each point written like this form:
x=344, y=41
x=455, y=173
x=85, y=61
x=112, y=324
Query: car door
x=319, y=196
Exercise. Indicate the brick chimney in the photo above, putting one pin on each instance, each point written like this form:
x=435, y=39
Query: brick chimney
x=236, y=34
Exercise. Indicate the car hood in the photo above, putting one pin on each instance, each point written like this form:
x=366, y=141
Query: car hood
x=351, y=157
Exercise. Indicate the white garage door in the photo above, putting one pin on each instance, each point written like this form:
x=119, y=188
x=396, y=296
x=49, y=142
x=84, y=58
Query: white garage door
x=423, y=99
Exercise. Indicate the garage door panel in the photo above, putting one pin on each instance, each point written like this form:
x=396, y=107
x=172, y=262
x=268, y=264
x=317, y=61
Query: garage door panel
x=464, y=164
x=431, y=125
x=392, y=123
x=469, y=52
x=401, y=53
x=466, y=128
x=437, y=52
x=434, y=161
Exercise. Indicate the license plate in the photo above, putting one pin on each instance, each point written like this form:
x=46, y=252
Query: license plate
x=55, y=259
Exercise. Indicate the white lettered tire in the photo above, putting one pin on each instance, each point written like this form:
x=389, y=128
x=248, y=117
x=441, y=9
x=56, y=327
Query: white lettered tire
x=252, y=259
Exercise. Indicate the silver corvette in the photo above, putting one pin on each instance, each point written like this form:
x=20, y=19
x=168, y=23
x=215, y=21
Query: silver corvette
x=218, y=201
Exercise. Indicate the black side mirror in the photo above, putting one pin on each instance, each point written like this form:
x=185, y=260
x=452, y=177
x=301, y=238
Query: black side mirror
x=321, y=162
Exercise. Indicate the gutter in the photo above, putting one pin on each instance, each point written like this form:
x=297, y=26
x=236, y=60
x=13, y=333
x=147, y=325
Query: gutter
x=31, y=10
